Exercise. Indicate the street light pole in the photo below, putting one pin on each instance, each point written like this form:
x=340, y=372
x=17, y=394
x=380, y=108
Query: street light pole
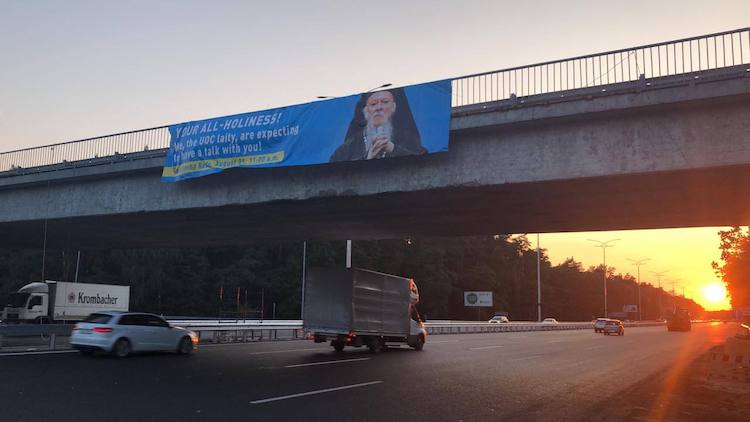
x=604, y=246
x=638, y=264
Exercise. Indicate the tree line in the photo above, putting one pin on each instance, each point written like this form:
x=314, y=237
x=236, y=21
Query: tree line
x=734, y=268
x=265, y=280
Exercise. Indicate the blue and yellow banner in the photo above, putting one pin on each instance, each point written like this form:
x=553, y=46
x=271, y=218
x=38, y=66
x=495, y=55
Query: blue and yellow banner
x=412, y=120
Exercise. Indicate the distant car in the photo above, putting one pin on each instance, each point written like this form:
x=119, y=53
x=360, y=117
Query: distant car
x=499, y=320
x=549, y=321
x=614, y=326
x=599, y=324
x=123, y=333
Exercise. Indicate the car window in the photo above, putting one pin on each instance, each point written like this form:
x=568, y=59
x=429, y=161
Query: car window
x=128, y=320
x=98, y=318
x=154, y=321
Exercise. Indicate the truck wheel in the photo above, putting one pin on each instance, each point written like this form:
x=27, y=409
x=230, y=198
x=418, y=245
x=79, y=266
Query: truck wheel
x=419, y=345
x=376, y=346
x=338, y=346
x=186, y=346
x=122, y=348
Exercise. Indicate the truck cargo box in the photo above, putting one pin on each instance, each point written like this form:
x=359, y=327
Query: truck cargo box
x=358, y=301
x=78, y=300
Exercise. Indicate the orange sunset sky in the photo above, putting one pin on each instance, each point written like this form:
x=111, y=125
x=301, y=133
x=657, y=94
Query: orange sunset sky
x=684, y=254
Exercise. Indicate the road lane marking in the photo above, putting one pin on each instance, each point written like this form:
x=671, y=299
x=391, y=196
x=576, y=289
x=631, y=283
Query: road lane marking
x=442, y=341
x=247, y=343
x=310, y=393
x=526, y=358
x=287, y=351
x=485, y=347
x=52, y=352
x=327, y=362
x=594, y=348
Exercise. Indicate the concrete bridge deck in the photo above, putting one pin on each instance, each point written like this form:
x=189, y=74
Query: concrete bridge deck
x=657, y=153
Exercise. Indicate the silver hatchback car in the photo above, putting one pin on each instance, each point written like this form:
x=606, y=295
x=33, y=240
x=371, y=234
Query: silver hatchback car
x=123, y=333
x=614, y=326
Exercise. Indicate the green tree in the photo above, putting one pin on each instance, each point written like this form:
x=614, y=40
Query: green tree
x=734, y=269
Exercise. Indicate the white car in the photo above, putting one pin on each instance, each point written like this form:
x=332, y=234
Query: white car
x=599, y=324
x=499, y=319
x=614, y=326
x=549, y=321
x=123, y=333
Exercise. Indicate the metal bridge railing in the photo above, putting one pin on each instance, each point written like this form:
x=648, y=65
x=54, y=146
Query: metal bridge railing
x=86, y=149
x=689, y=55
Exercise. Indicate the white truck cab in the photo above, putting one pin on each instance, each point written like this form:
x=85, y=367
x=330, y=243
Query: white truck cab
x=30, y=303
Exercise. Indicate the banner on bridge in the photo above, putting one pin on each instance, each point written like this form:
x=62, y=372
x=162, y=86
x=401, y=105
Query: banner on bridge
x=412, y=120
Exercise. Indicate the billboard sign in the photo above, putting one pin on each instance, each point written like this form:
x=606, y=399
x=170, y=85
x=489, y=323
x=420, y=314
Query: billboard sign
x=478, y=299
x=630, y=308
x=412, y=120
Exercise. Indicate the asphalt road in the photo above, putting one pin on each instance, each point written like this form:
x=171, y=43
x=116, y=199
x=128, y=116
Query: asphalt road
x=555, y=375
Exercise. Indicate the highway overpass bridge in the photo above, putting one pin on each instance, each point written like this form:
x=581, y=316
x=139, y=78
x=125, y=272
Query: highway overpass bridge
x=601, y=142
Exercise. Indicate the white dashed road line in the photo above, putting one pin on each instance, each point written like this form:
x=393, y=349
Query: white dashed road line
x=485, y=347
x=328, y=362
x=51, y=352
x=287, y=351
x=525, y=358
x=310, y=393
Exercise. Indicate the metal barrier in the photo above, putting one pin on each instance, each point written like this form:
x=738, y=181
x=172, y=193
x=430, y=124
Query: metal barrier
x=24, y=330
x=684, y=56
x=222, y=331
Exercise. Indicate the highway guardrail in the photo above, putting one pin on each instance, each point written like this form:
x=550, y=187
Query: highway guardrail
x=222, y=331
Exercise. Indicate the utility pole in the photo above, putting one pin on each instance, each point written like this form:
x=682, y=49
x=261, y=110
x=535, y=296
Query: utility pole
x=349, y=241
x=604, y=246
x=674, y=282
x=638, y=264
x=658, y=278
x=304, y=267
x=538, y=282
x=348, y=253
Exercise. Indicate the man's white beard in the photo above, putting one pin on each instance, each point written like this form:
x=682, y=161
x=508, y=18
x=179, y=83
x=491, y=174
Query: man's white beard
x=371, y=132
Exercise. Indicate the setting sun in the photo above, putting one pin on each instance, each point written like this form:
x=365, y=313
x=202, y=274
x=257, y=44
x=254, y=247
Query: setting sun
x=715, y=293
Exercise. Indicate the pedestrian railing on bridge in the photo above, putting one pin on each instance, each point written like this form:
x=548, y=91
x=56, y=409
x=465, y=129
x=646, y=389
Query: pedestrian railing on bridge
x=679, y=57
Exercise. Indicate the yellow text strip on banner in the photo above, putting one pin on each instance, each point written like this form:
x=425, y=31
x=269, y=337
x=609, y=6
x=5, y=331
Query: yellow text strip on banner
x=222, y=163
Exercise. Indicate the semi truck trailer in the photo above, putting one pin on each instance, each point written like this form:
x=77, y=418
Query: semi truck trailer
x=51, y=301
x=357, y=307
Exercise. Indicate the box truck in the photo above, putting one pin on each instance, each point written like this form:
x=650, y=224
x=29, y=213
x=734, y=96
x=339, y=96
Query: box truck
x=356, y=307
x=50, y=301
x=679, y=320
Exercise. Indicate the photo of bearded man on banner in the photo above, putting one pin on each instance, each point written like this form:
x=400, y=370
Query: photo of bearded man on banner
x=382, y=127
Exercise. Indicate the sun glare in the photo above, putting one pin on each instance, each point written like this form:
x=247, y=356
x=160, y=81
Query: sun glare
x=715, y=293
